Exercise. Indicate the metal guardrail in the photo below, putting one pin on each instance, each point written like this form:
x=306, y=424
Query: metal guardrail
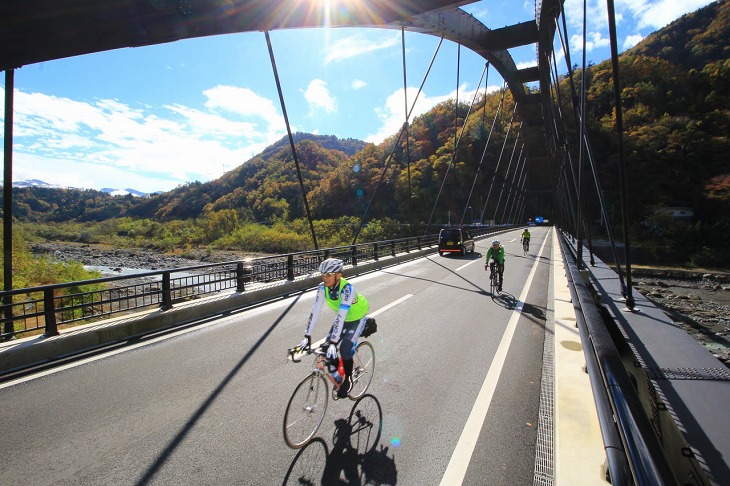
x=633, y=452
x=32, y=310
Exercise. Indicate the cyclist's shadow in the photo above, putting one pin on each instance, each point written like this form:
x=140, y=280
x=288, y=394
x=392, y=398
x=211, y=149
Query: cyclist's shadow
x=354, y=458
x=505, y=299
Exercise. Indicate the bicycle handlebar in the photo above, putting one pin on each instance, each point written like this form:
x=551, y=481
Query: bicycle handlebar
x=291, y=352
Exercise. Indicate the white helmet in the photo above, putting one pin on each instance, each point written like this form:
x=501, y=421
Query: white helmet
x=496, y=242
x=331, y=265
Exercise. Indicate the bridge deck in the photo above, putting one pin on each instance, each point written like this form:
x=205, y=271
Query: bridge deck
x=685, y=383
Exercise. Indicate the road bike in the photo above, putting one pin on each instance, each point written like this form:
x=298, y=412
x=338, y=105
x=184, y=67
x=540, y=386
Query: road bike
x=308, y=404
x=525, y=246
x=493, y=277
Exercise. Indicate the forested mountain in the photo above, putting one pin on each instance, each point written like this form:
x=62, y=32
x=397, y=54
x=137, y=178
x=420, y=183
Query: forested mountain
x=676, y=112
x=676, y=106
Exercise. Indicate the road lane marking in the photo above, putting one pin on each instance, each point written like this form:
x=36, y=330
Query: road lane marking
x=466, y=265
x=373, y=314
x=459, y=463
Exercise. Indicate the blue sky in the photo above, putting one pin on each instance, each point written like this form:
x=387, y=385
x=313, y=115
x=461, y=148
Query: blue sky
x=156, y=117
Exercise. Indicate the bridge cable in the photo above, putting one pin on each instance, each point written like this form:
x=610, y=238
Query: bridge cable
x=491, y=130
x=620, y=139
x=405, y=113
x=515, y=185
x=499, y=160
x=453, y=154
x=581, y=146
x=559, y=104
x=589, y=153
x=599, y=191
x=395, y=144
x=509, y=167
x=291, y=139
x=486, y=83
x=512, y=182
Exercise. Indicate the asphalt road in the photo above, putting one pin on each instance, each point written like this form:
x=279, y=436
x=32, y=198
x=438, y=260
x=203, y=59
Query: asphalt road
x=205, y=405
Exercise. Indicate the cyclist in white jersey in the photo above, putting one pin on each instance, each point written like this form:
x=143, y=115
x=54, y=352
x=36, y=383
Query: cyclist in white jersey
x=351, y=310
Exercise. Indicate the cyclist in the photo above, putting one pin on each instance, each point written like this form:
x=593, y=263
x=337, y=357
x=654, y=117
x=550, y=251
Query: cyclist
x=525, y=238
x=496, y=252
x=351, y=310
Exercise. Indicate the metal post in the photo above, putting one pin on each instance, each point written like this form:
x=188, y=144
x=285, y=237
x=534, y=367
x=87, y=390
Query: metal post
x=49, y=312
x=240, y=279
x=166, y=292
x=290, y=267
x=8, y=202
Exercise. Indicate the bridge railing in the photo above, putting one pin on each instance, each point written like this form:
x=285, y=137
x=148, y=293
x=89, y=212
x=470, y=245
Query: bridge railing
x=44, y=308
x=633, y=453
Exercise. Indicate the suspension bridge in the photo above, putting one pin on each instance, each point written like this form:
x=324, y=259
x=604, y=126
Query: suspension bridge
x=471, y=388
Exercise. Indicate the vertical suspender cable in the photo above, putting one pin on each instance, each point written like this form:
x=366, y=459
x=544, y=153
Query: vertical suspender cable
x=620, y=135
x=395, y=144
x=506, y=174
x=489, y=137
x=479, y=166
x=8, y=200
x=512, y=183
x=291, y=139
x=581, y=131
x=405, y=114
x=499, y=160
x=594, y=169
x=456, y=144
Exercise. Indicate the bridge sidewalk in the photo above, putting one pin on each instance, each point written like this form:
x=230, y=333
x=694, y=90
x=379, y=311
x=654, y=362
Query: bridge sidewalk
x=682, y=385
x=579, y=451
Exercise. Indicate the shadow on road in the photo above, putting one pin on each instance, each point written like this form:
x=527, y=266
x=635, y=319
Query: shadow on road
x=177, y=440
x=354, y=459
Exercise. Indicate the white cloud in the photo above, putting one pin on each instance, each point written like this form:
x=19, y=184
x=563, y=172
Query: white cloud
x=526, y=64
x=392, y=115
x=358, y=84
x=659, y=13
x=595, y=40
x=356, y=45
x=105, y=143
x=319, y=97
x=632, y=40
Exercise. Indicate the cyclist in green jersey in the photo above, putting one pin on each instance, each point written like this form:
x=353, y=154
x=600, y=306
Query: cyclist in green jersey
x=525, y=236
x=496, y=252
x=351, y=310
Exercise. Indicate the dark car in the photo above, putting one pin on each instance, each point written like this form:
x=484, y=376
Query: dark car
x=455, y=240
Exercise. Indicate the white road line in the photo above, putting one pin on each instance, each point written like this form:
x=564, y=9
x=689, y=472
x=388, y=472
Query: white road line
x=392, y=304
x=145, y=343
x=456, y=470
x=376, y=313
x=466, y=265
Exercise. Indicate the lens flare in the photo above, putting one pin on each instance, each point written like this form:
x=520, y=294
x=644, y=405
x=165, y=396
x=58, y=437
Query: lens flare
x=395, y=442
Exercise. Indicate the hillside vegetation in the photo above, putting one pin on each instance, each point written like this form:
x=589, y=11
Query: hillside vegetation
x=676, y=112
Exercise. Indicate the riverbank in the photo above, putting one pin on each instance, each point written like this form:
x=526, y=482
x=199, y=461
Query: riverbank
x=698, y=300
x=133, y=258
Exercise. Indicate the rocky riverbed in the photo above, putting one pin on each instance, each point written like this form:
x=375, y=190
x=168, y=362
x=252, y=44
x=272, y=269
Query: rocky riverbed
x=133, y=258
x=699, y=301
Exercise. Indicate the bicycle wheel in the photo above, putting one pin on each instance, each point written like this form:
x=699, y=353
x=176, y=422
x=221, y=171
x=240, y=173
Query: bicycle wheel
x=363, y=369
x=305, y=411
x=492, y=280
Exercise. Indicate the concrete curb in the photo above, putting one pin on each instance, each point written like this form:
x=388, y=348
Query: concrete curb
x=38, y=350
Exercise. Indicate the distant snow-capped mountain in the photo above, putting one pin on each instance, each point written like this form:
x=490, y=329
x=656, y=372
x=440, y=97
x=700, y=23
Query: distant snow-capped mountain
x=35, y=183
x=123, y=192
x=110, y=191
